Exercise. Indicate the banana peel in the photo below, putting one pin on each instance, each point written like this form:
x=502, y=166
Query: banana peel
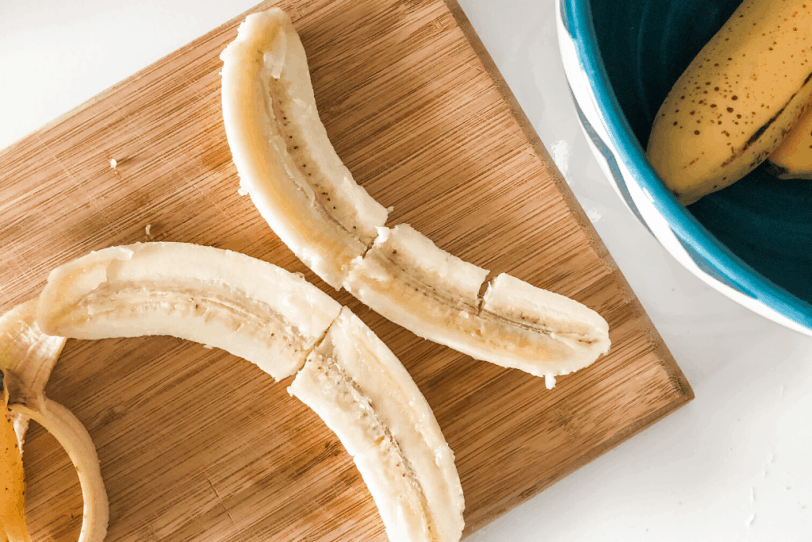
x=12, y=487
x=74, y=438
x=27, y=357
x=793, y=158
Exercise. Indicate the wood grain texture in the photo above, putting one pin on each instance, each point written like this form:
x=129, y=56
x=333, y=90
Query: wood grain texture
x=198, y=445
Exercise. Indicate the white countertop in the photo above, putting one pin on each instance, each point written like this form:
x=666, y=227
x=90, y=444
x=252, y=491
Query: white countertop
x=734, y=464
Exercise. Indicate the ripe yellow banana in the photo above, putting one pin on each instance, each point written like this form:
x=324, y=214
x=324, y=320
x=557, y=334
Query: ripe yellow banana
x=793, y=158
x=27, y=356
x=733, y=105
x=283, y=324
x=299, y=185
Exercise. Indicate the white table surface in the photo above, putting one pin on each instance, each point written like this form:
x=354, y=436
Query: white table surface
x=734, y=464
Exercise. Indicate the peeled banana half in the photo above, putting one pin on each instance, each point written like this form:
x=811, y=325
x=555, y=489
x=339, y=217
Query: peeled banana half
x=366, y=396
x=251, y=309
x=27, y=356
x=300, y=186
x=737, y=100
x=286, y=162
x=285, y=325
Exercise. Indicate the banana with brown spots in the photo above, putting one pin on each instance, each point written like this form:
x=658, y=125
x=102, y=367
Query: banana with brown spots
x=737, y=100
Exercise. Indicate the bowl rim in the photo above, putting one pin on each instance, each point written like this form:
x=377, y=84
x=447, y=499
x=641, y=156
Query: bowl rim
x=576, y=17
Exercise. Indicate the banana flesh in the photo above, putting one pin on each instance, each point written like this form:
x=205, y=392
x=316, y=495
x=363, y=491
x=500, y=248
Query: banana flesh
x=339, y=231
x=249, y=307
x=220, y=298
x=736, y=101
x=286, y=163
x=793, y=158
x=409, y=280
x=358, y=387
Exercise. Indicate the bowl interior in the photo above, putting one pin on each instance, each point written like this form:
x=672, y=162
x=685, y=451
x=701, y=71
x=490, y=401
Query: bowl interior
x=645, y=46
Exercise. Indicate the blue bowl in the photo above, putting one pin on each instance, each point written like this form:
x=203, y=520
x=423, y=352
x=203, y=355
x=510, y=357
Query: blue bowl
x=751, y=241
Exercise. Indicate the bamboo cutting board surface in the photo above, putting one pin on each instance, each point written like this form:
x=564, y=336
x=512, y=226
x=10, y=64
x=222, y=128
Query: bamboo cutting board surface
x=198, y=445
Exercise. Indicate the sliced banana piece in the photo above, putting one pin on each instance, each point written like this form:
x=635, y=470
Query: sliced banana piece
x=252, y=308
x=220, y=298
x=412, y=282
x=409, y=280
x=361, y=391
x=280, y=147
x=298, y=184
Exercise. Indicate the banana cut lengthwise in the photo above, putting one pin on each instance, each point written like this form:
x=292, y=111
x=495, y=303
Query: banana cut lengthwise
x=408, y=279
x=359, y=388
x=286, y=162
x=285, y=325
x=27, y=356
x=296, y=180
x=220, y=298
x=733, y=105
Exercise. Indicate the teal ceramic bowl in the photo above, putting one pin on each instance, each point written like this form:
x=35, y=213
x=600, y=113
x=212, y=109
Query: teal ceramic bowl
x=751, y=241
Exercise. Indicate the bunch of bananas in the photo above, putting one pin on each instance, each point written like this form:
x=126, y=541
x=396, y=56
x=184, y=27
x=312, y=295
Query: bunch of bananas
x=744, y=99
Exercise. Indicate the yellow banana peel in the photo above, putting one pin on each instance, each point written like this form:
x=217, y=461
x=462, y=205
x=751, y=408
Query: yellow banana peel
x=793, y=158
x=12, y=477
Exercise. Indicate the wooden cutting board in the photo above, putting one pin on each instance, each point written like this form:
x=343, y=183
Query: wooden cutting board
x=196, y=444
